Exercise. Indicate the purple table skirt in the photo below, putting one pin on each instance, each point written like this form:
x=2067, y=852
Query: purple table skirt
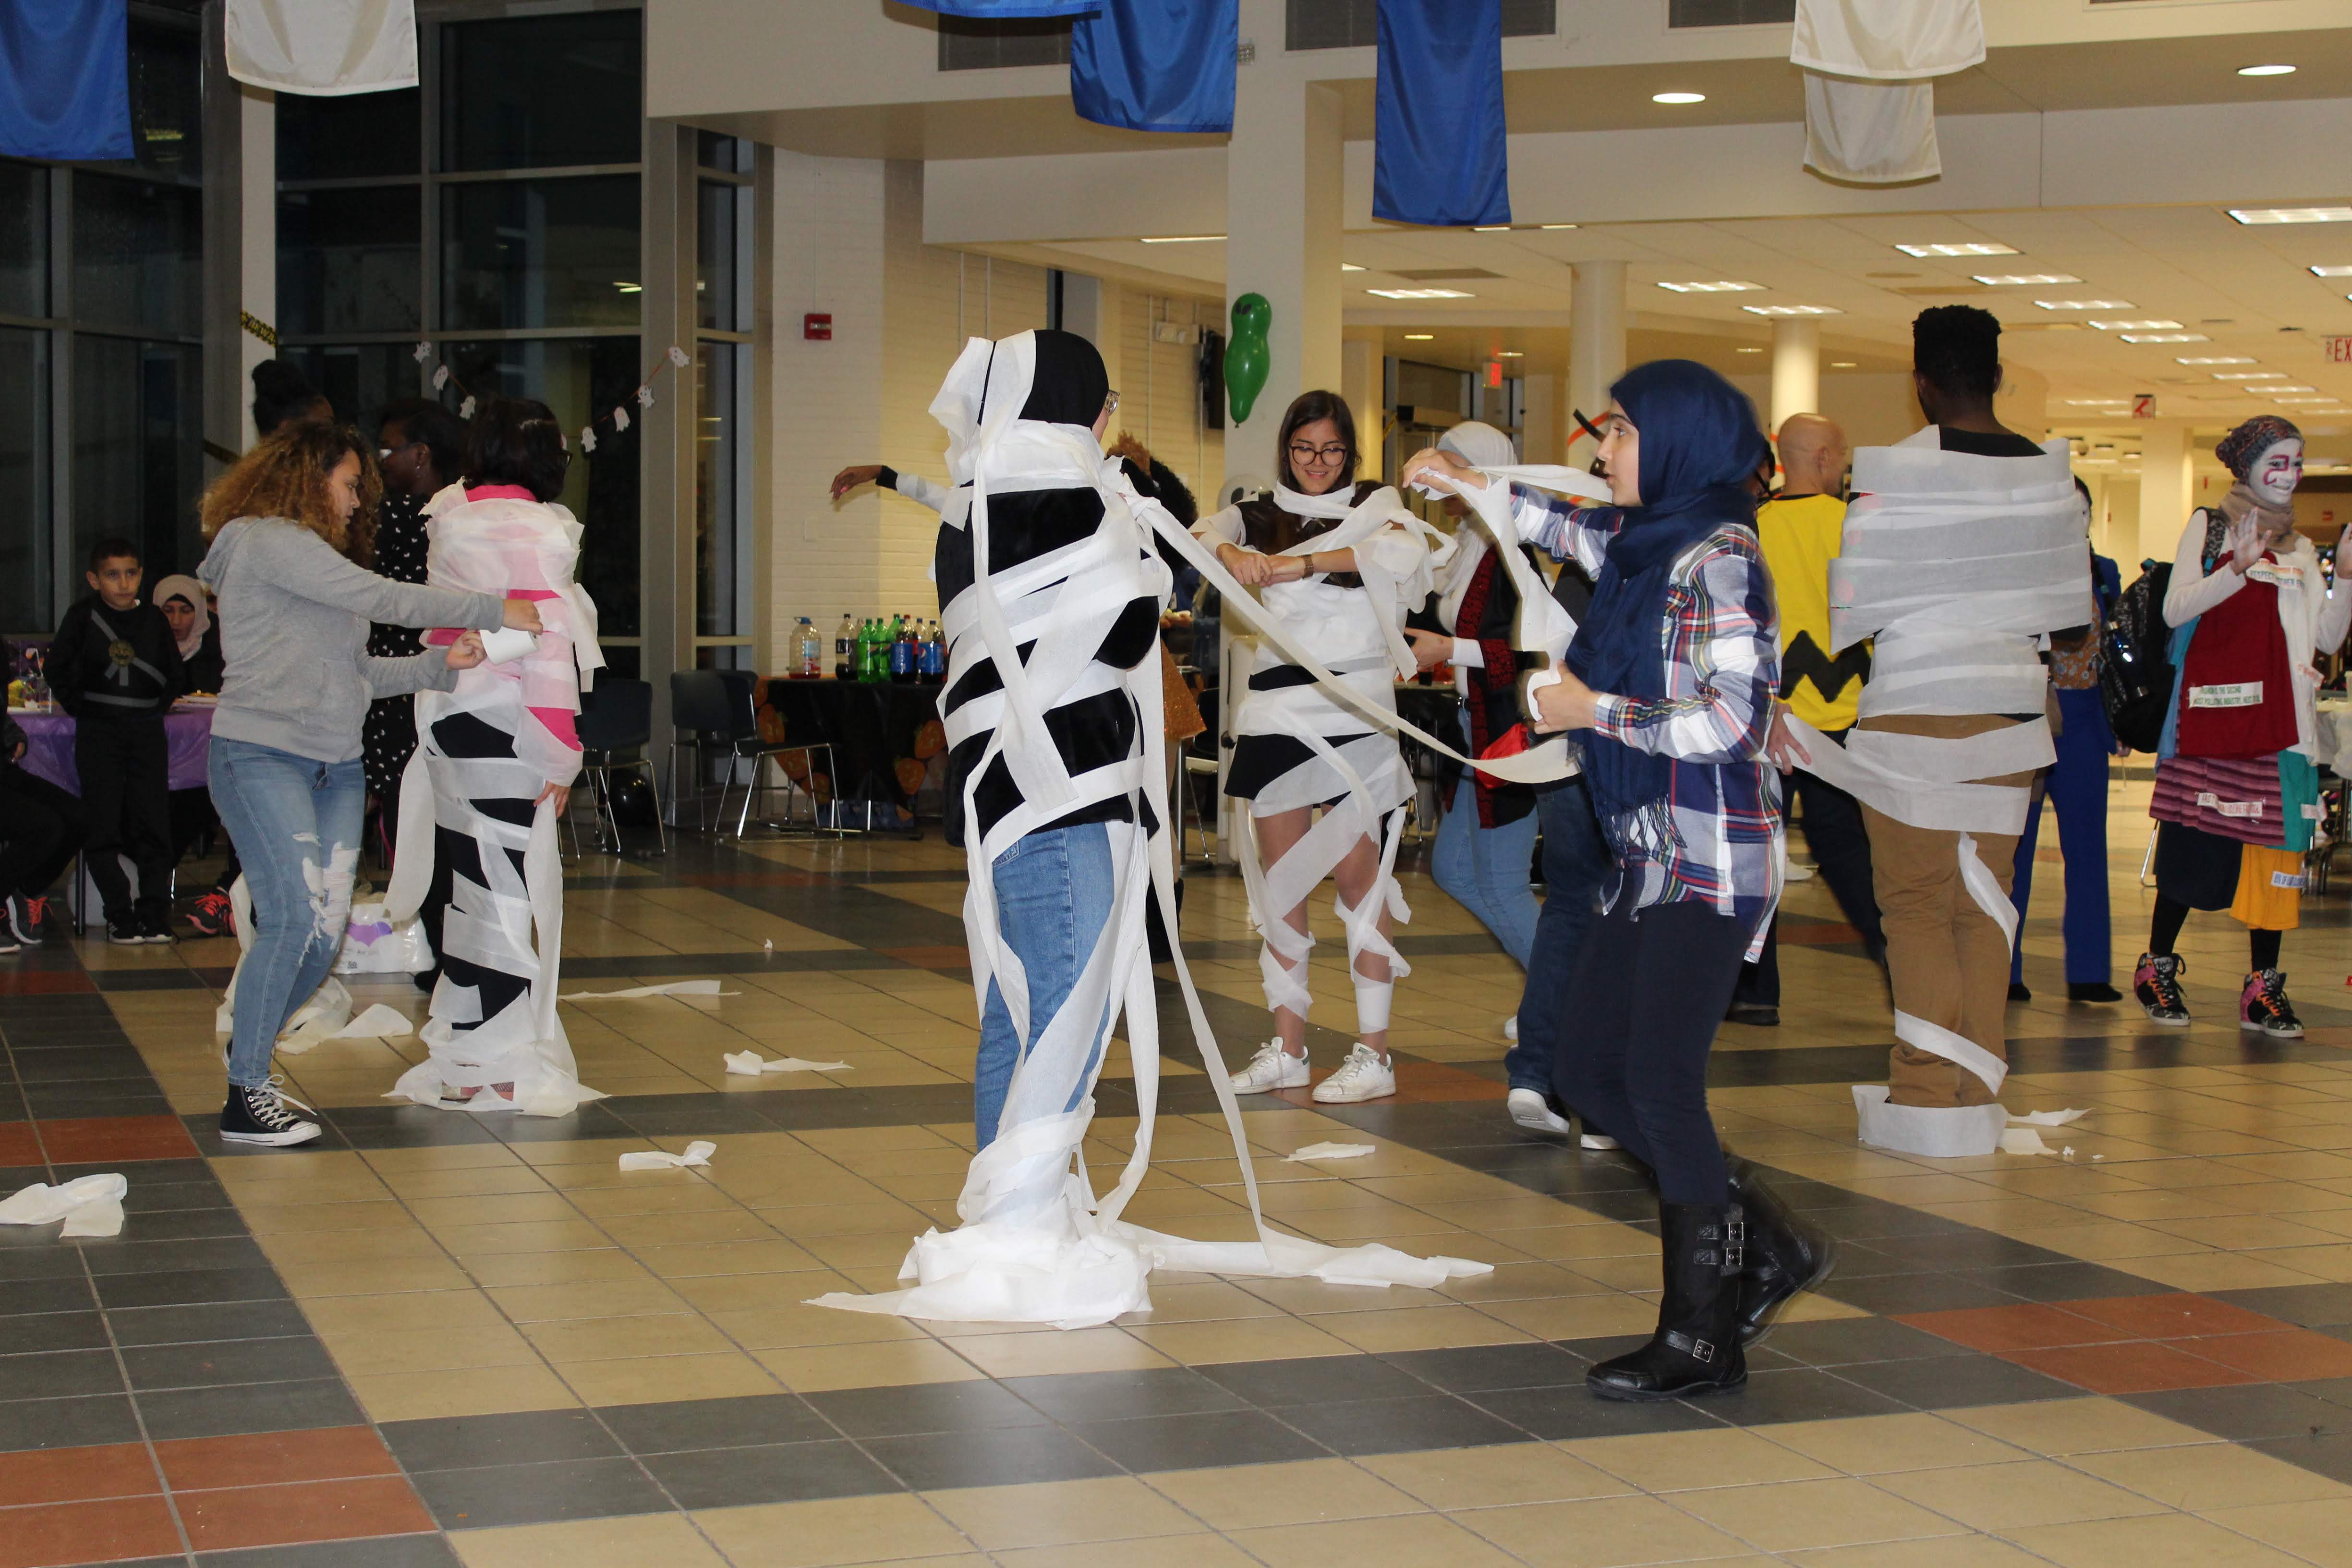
x=49, y=747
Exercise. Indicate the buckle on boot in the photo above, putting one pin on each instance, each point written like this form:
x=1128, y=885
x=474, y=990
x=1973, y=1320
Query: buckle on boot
x=1698, y=1350
x=1734, y=1251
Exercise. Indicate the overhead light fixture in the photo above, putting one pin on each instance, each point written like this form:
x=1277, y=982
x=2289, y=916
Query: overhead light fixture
x=1420, y=293
x=1419, y=337
x=1180, y=238
x=2216, y=358
x=1678, y=98
x=1555, y=225
x=2332, y=272
x=1349, y=267
x=2012, y=279
x=2265, y=70
x=2250, y=375
x=1791, y=310
x=2291, y=214
x=2306, y=402
x=1984, y=248
x=1841, y=364
x=1510, y=354
x=2098, y=402
x=2151, y=324
x=630, y=287
x=1749, y=351
x=2165, y=338
x=2084, y=305
x=1489, y=227
x=1725, y=286
x=2290, y=391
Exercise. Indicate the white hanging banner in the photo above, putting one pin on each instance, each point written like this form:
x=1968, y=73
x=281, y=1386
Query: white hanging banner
x=1871, y=132
x=1892, y=40
x=324, y=48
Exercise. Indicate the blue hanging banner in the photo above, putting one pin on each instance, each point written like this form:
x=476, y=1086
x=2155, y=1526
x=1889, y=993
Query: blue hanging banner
x=1005, y=10
x=1438, y=150
x=65, y=79
x=1156, y=65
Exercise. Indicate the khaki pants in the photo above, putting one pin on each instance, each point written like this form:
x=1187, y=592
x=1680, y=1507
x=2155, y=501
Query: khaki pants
x=1946, y=958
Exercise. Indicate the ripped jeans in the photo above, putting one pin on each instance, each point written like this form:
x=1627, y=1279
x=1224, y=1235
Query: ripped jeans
x=296, y=822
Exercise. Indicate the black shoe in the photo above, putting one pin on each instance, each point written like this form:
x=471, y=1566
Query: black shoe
x=156, y=929
x=1784, y=1256
x=1755, y=1015
x=1696, y=1347
x=27, y=919
x=426, y=980
x=125, y=932
x=2018, y=992
x=2093, y=991
x=260, y=1116
x=2156, y=985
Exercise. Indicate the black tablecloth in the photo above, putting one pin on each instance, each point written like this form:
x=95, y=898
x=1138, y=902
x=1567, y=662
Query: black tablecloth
x=869, y=726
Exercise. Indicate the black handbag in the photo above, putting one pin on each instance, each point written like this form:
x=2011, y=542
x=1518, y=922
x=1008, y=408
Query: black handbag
x=2136, y=671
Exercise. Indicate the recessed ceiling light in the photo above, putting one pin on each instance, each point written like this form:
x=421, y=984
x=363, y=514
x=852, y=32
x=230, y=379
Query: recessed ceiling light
x=1510, y=354
x=1841, y=364
x=1751, y=350
x=1420, y=293
x=2151, y=324
x=2332, y=272
x=2290, y=391
x=2306, y=402
x=2165, y=338
x=1419, y=337
x=1972, y=248
x=1349, y=267
x=2084, y=305
x=1791, y=310
x=2291, y=214
x=2250, y=375
x=1489, y=227
x=2098, y=402
x=1678, y=98
x=2216, y=358
x=2265, y=70
x=1180, y=238
x=1725, y=286
x=2010, y=279
x=1555, y=225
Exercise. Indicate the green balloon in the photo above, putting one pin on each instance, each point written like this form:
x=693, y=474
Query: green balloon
x=1247, y=355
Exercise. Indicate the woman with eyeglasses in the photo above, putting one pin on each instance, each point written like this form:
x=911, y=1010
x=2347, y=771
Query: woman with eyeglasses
x=492, y=776
x=1341, y=567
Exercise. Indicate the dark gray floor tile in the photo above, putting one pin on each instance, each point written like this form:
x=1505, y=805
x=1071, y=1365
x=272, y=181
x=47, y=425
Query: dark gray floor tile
x=1574, y=1411
x=1078, y=1396
x=1009, y=1456
x=53, y=1295
x=225, y=1362
x=135, y=1254
x=88, y=1063
x=1476, y=1367
x=54, y=1332
x=786, y=1472
x=219, y=1321
x=666, y=1115
x=924, y=1407
x=1919, y=1293
x=1837, y=1342
x=2244, y=1413
x=1797, y=1394
x=1969, y=1249
x=1948, y=1382
x=68, y=1423
x=677, y=1427
x=1314, y=1380
x=1400, y=1426
x=539, y=1494
x=248, y=1408
x=204, y=1131
x=520, y=1437
x=157, y=1198
x=2324, y=1453
x=194, y=1223
x=2067, y=1281
x=33, y=1252
x=431, y=1551
x=2312, y=1306
x=1198, y=1440
x=58, y=1374
x=190, y=1288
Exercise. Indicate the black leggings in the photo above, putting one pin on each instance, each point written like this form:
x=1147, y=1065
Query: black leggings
x=1645, y=1001
x=2171, y=914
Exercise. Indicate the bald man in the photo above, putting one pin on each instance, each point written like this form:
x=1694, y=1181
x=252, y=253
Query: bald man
x=1801, y=528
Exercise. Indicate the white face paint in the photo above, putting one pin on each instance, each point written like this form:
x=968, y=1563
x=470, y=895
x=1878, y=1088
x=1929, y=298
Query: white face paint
x=2276, y=472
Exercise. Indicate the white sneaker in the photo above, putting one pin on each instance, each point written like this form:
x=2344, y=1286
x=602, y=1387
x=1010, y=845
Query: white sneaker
x=1511, y=1028
x=1273, y=1068
x=1363, y=1076
x=1600, y=1143
x=1528, y=1108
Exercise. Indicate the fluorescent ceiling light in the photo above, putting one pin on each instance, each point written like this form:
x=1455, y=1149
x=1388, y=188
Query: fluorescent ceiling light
x=2250, y=375
x=1750, y=350
x=1180, y=238
x=630, y=287
x=2165, y=338
x=1791, y=310
x=1489, y=227
x=1420, y=293
x=1419, y=337
x=1841, y=364
x=2291, y=214
x=1555, y=225
x=1975, y=249
x=2216, y=358
x=2013, y=279
x=2152, y=324
x=2272, y=391
x=1510, y=354
x=2265, y=70
x=2098, y=402
x=1349, y=267
x=2332, y=272
x=2084, y=305
x=1678, y=98
x=1725, y=286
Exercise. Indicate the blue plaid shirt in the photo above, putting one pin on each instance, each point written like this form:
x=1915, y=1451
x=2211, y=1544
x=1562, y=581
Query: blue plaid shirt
x=1722, y=838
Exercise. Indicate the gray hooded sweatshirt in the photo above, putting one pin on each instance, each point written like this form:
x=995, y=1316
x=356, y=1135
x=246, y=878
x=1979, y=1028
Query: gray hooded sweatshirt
x=294, y=617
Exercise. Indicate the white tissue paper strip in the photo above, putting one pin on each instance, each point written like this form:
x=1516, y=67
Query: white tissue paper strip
x=671, y=988
x=379, y=1021
x=697, y=1153
x=1332, y=1152
x=1937, y=1132
x=747, y=1064
x=2049, y=1118
x=509, y=644
x=91, y=1205
x=2023, y=1140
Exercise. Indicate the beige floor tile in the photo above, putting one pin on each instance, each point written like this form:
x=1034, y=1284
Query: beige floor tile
x=1452, y=1478
x=1605, y=1314
x=1239, y=1339
x=1043, y=1354
x=1247, y=1496
x=470, y=1391
x=665, y=1538
x=2010, y=1496
x=812, y=1369
x=595, y=1299
x=793, y=1323
x=1799, y=1515
x=2321, y=1531
x=605, y=1339
x=2062, y=1426
x=1937, y=1551
x=1416, y=1541
x=1061, y=1513
x=1163, y=1551
x=646, y=1380
x=413, y=1311
x=2168, y=1537
x=1674, y=1461
x=375, y=1351
x=586, y=1265
x=1603, y=1532
x=1882, y=1444
x=834, y=1531
x=2211, y=1476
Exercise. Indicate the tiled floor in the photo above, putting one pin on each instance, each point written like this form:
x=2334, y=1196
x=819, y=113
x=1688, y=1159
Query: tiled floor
x=437, y=1339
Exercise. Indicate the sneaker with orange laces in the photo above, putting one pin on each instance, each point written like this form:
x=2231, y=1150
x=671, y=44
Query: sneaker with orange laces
x=2262, y=1005
x=212, y=915
x=2155, y=983
x=27, y=921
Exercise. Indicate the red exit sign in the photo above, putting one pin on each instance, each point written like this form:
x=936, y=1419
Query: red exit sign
x=817, y=327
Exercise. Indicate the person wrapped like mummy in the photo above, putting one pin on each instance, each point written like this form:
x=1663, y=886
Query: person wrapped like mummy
x=1339, y=563
x=491, y=777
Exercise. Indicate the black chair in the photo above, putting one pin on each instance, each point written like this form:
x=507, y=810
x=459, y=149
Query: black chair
x=718, y=707
x=616, y=731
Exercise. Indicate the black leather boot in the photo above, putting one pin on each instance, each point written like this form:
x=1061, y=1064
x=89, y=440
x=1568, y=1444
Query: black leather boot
x=1785, y=1256
x=1696, y=1347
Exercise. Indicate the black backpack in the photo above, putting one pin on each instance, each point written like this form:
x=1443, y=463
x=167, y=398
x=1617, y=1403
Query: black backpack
x=2136, y=672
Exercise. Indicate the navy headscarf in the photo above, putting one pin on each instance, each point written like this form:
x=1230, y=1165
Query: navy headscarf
x=1699, y=445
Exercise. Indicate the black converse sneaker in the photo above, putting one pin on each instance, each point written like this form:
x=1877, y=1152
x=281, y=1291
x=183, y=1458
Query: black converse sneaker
x=261, y=1116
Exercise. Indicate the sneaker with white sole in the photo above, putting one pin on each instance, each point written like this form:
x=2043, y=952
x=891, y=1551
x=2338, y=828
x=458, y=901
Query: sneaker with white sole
x=1273, y=1068
x=1599, y=1142
x=1511, y=1028
x=1528, y=1109
x=263, y=1116
x=1363, y=1076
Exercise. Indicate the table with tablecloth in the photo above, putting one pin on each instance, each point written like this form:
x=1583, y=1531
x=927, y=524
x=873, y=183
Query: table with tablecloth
x=49, y=745
x=872, y=726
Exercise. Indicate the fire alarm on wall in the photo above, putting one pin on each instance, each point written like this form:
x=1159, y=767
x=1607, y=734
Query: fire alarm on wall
x=817, y=327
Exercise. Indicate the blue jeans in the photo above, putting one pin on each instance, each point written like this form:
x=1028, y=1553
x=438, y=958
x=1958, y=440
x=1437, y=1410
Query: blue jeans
x=296, y=823
x=2077, y=787
x=1054, y=890
x=1485, y=868
x=1575, y=859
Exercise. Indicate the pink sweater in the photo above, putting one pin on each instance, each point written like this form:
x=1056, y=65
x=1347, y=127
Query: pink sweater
x=559, y=722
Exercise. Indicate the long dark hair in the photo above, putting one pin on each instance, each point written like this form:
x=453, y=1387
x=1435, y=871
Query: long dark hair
x=1306, y=409
x=516, y=441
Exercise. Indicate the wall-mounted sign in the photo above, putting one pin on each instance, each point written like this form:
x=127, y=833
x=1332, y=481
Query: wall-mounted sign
x=2142, y=405
x=817, y=327
x=2339, y=350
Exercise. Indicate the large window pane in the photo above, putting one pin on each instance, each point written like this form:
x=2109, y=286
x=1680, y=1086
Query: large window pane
x=137, y=254
x=576, y=377
x=138, y=450
x=358, y=379
x=539, y=253
x=721, y=534
x=23, y=239
x=25, y=566
x=348, y=261
x=346, y=138
x=540, y=92
x=717, y=207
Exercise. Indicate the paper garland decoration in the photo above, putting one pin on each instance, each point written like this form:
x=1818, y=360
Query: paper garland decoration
x=618, y=416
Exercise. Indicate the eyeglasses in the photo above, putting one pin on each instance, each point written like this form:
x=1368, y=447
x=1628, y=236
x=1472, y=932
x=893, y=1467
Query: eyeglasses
x=1306, y=455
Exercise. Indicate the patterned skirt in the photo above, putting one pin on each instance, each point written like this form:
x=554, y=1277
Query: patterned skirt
x=2229, y=797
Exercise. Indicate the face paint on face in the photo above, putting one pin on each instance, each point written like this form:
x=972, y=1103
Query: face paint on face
x=2275, y=472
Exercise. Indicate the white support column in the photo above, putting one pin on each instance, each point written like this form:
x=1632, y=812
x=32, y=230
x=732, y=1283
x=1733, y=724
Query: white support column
x=1091, y=308
x=1796, y=370
x=1282, y=217
x=1596, y=341
x=1539, y=433
x=1360, y=384
x=2163, y=485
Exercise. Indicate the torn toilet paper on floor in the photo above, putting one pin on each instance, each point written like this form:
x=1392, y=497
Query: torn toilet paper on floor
x=1331, y=1152
x=697, y=1153
x=381, y=1021
x=669, y=988
x=91, y=1205
x=747, y=1064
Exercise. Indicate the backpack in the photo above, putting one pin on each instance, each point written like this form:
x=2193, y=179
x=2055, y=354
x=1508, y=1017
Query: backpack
x=2135, y=675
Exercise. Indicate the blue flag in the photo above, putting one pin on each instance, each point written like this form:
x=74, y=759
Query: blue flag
x=1438, y=150
x=65, y=79
x=1157, y=65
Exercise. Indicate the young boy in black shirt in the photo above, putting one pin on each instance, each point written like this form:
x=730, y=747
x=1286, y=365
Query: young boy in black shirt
x=115, y=666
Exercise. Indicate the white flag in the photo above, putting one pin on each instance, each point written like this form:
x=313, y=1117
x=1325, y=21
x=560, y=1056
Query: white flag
x=323, y=46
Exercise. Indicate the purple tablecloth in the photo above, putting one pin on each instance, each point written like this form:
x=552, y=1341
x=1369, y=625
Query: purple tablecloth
x=49, y=748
